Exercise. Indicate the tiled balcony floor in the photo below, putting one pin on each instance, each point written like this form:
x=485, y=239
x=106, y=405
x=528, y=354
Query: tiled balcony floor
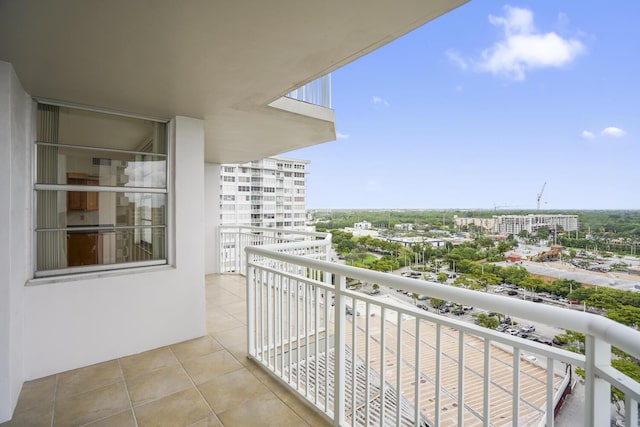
x=203, y=382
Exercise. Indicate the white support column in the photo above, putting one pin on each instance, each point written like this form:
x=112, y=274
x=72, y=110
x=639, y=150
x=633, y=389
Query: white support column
x=212, y=258
x=597, y=390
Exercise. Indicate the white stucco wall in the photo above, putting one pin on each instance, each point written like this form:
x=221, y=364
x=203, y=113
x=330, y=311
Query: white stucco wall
x=93, y=318
x=212, y=216
x=15, y=258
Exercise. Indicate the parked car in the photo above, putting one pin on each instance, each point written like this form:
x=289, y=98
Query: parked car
x=458, y=311
x=424, y=307
x=528, y=328
x=467, y=307
x=501, y=328
x=498, y=289
x=349, y=311
x=444, y=310
x=512, y=292
x=523, y=335
x=537, y=299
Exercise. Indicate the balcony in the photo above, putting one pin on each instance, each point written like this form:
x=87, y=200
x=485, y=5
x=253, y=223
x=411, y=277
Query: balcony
x=364, y=359
x=316, y=92
x=203, y=382
x=319, y=353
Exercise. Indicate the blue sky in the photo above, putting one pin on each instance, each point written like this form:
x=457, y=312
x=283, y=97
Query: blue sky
x=485, y=104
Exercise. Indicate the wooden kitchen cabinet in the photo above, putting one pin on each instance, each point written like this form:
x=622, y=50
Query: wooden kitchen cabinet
x=84, y=249
x=82, y=200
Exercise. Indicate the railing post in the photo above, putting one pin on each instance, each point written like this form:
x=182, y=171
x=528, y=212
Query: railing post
x=630, y=411
x=339, y=352
x=597, y=390
x=251, y=307
x=237, y=255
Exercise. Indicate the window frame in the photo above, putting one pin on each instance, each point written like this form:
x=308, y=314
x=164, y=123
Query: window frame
x=167, y=190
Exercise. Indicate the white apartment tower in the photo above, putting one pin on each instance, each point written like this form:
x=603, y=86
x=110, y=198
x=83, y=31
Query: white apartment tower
x=264, y=193
x=514, y=224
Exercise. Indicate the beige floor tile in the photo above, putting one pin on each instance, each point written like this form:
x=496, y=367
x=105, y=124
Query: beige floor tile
x=292, y=400
x=156, y=384
x=237, y=308
x=122, y=419
x=318, y=420
x=142, y=363
x=35, y=416
x=230, y=390
x=241, y=317
x=92, y=405
x=179, y=409
x=231, y=337
x=36, y=392
x=217, y=326
x=262, y=410
x=212, y=365
x=88, y=378
x=195, y=348
x=211, y=421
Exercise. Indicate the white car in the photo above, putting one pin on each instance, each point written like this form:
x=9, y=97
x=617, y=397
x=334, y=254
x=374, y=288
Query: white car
x=498, y=289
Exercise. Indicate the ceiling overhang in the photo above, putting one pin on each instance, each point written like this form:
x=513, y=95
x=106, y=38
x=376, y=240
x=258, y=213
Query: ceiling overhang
x=222, y=61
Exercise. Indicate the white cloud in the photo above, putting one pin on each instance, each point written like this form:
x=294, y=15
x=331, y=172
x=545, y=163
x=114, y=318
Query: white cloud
x=342, y=135
x=588, y=135
x=523, y=47
x=380, y=101
x=613, y=132
x=457, y=59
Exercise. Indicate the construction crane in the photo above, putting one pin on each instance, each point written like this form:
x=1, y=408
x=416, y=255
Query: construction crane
x=540, y=194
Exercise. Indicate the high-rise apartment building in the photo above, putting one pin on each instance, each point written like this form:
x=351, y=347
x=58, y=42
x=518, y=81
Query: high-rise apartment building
x=514, y=224
x=264, y=193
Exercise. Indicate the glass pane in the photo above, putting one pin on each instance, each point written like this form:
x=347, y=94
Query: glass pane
x=61, y=209
x=64, y=249
x=64, y=125
x=76, y=166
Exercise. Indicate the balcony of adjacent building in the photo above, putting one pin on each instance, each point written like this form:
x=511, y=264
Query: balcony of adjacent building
x=289, y=344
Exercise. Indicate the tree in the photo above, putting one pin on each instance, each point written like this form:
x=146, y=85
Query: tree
x=543, y=233
x=436, y=302
x=487, y=321
x=503, y=247
x=442, y=277
x=629, y=368
x=513, y=274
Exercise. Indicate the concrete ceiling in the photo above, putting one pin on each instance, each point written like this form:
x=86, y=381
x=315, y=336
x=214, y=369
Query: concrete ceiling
x=223, y=61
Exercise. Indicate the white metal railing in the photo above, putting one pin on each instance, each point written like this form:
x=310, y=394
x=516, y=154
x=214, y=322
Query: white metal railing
x=234, y=240
x=316, y=92
x=365, y=360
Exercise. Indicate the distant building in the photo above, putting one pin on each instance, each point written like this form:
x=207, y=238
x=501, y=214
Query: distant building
x=514, y=258
x=264, y=193
x=514, y=224
x=363, y=225
x=485, y=223
x=404, y=226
